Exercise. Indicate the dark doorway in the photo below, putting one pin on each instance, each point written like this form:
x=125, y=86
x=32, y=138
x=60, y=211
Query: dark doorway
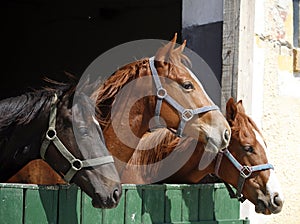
x=45, y=38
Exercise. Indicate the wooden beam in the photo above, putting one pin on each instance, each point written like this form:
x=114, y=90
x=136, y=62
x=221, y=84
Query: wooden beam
x=230, y=51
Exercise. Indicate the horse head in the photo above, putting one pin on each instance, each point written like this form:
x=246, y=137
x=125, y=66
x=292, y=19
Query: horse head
x=75, y=148
x=247, y=162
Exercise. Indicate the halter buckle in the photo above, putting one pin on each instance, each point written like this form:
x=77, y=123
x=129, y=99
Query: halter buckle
x=51, y=133
x=246, y=172
x=161, y=93
x=76, y=164
x=187, y=115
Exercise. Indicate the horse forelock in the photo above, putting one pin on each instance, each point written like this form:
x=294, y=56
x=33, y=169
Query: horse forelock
x=243, y=127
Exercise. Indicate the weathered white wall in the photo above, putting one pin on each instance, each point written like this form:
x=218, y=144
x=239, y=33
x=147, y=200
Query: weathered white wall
x=269, y=88
x=275, y=103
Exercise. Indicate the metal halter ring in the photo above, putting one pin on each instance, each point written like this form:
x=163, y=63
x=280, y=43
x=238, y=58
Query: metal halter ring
x=75, y=163
x=51, y=133
x=246, y=172
x=161, y=93
x=187, y=115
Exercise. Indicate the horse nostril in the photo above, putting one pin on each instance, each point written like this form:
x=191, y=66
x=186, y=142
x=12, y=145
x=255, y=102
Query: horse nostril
x=226, y=136
x=116, y=195
x=277, y=201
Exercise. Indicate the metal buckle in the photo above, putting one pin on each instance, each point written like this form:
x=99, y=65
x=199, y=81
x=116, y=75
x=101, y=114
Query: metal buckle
x=51, y=133
x=161, y=93
x=187, y=115
x=76, y=164
x=246, y=172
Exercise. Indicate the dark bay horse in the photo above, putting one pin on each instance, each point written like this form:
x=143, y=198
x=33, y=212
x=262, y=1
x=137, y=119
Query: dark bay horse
x=43, y=124
x=155, y=92
x=243, y=165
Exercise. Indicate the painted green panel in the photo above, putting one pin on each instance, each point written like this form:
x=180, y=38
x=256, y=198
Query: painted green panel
x=115, y=215
x=69, y=205
x=153, y=206
x=190, y=204
x=206, y=203
x=40, y=206
x=11, y=205
x=89, y=214
x=173, y=202
x=225, y=208
x=133, y=206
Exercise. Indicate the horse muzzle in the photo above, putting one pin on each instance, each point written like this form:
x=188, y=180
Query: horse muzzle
x=109, y=201
x=269, y=204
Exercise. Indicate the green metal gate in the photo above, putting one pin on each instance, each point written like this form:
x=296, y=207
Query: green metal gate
x=167, y=203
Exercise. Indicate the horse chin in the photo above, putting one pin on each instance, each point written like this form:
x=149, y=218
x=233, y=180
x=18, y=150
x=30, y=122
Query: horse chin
x=99, y=202
x=261, y=207
x=265, y=208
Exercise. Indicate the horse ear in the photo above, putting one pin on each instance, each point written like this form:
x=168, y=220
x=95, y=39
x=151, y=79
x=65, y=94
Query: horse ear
x=181, y=47
x=164, y=52
x=231, y=110
x=240, y=107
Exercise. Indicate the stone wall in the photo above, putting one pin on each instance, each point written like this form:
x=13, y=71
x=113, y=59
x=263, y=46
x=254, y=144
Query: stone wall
x=279, y=111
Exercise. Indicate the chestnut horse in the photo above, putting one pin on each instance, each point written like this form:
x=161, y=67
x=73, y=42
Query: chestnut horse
x=243, y=165
x=155, y=92
x=43, y=124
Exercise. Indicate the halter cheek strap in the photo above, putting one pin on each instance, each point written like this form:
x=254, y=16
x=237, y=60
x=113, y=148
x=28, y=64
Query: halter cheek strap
x=76, y=164
x=161, y=93
x=245, y=172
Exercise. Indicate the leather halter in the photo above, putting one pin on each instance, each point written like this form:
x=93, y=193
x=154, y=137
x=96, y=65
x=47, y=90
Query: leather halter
x=245, y=172
x=76, y=164
x=161, y=93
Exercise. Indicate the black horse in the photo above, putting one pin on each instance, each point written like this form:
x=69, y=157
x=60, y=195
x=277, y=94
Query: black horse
x=51, y=124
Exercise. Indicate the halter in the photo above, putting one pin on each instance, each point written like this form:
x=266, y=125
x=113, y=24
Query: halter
x=161, y=93
x=76, y=164
x=245, y=172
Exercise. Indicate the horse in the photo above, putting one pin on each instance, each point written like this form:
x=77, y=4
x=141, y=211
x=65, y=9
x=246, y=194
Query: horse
x=153, y=92
x=243, y=164
x=57, y=124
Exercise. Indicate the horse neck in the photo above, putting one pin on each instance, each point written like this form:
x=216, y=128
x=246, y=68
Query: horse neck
x=21, y=142
x=123, y=135
x=126, y=119
x=188, y=173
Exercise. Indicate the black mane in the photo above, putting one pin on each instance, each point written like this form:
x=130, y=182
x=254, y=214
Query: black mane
x=26, y=107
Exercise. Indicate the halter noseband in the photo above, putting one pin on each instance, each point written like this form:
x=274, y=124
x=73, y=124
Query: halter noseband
x=245, y=172
x=161, y=93
x=76, y=164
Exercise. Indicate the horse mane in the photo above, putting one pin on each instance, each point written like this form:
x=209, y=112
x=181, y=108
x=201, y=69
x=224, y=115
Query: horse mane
x=21, y=110
x=145, y=153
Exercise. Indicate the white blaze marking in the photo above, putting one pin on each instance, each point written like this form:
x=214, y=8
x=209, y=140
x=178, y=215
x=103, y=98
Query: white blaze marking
x=273, y=185
x=199, y=83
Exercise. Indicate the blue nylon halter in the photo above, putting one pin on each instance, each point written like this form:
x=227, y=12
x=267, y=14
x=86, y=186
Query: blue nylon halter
x=161, y=93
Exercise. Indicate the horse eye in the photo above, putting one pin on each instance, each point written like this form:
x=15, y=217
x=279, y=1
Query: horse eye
x=188, y=85
x=248, y=149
